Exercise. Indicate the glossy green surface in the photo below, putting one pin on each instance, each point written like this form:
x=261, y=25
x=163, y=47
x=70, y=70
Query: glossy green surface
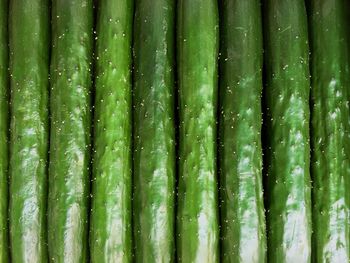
x=70, y=105
x=197, y=215
x=330, y=131
x=110, y=232
x=4, y=125
x=154, y=131
x=29, y=66
x=288, y=151
x=242, y=207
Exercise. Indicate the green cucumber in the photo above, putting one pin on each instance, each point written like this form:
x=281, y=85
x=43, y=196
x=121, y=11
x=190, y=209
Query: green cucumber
x=154, y=131
x=29, y=68
x=197, y=213
x=287, y=121
x=4, y=127
x=110, y=229
x=330, y=162
x=70, y=104
x=240, y=165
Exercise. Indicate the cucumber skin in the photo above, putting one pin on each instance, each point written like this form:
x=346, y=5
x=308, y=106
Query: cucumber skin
x=4, y=127
x=197, y=214
x=29, y=66
x=110, y=229
x=242, y=205
x=154, y=127
x=70, y=103
x=330, y=131
x=288, y=154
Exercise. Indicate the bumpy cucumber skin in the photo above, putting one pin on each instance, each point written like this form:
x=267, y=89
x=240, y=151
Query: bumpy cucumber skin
x=70, y=105
x=154, y=127
x=330, y=131
x=110, y=232
x=29, y=66
x=197, y=214
x=4, y=125
x=288, y=152
x=242, y=206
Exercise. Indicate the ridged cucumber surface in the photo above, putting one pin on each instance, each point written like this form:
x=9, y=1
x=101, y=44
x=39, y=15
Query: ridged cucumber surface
x=154, y=131
x=70, y=105
x=29, y=68
x=287, y=134
x=4, y=134
x=242, y=206
x=110, y=229
x=330, y=130
x=197, y=212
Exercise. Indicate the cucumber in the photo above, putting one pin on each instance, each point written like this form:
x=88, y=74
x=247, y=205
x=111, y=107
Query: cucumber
x=110, y=229
x=197, y=212
x=287, y=121
x=154, y=131
x=330, y=162
x=240, y=163
x=70, y=105
x=29, y=69
x=4, y=127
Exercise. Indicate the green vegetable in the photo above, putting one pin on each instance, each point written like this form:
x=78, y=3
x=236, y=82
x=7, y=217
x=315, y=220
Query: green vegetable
x=287, y=119
x=110, y=232
x=70, y=129
x=4, y=121
x=242, y=207
x=197, y=215
x=330, y=131
x=154, y=131
x=29, y=64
